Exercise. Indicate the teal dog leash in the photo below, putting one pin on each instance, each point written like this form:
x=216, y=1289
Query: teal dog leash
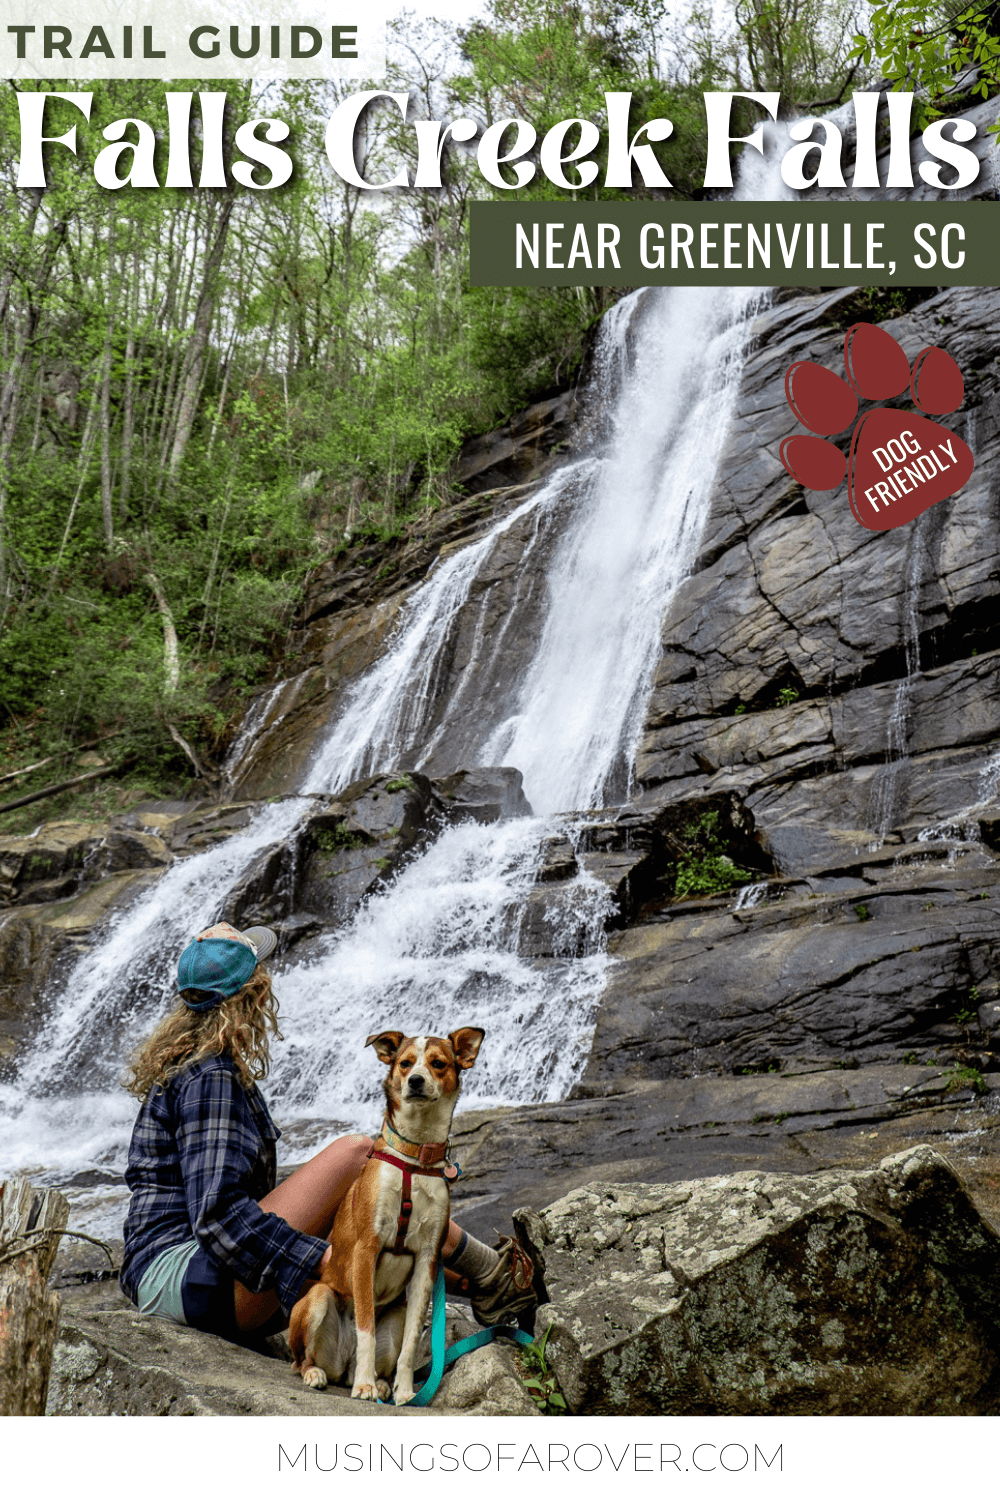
x=442, y=1357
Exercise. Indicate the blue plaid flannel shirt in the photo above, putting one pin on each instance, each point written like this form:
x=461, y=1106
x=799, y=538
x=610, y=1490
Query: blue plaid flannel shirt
x=202, y=1155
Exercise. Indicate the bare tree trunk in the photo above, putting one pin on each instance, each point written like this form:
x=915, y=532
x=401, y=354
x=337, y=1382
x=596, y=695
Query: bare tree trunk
x=85, y=449
x=36, y=431
x=109, y=522
x=171, y=652
x=198, y=347
x=30, y=1219
x=14, y=375
x=222, y=396
x=182, y=353
x=128, y=423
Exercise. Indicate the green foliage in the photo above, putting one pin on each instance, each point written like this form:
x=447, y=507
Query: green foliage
x=404, y=783
x=342, y=358
x=800, y=47
x=963, y=1076
x=786, y=697
x=705, y=867
x=540, y=1382
x=933, y=49
x=911, y=1059
x=330, y=841
x=875, y=304
x=862, y=913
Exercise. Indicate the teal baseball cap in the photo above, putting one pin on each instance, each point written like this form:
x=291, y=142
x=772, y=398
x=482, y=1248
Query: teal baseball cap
x=220, y=960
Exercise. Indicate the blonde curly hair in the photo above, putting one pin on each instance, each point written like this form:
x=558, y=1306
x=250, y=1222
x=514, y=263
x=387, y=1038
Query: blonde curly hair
x=240, y=1027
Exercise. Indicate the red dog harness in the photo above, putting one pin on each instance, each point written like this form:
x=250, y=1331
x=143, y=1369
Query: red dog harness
x=420, y=1161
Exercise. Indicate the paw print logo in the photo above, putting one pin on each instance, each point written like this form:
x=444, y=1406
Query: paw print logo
x=900, y=463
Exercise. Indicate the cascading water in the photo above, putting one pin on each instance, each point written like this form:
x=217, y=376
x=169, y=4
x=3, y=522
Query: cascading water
x=439, y=948
x=443, y=942
x=253, y=722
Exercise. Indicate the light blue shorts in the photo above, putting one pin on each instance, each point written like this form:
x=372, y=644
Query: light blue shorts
x=160, y=1289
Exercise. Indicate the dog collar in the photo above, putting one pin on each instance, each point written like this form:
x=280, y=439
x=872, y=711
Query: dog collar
x=428, y=1155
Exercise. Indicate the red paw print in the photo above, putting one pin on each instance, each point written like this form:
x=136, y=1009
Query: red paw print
x=900, y=464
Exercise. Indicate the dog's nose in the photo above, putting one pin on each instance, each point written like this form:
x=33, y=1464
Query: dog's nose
x=415, y=1084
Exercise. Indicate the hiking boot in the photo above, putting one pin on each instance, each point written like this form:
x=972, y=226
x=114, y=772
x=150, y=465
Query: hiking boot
x=507, y=1294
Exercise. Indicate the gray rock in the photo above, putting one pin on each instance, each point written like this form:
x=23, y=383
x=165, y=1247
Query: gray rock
x=847, y=1292
x=484, y=794
x=109, y=1361
x=515, y=453
x=47, y=865
x=863, y=974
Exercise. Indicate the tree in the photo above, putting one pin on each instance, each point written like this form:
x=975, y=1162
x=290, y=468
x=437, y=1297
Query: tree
x=935, y=49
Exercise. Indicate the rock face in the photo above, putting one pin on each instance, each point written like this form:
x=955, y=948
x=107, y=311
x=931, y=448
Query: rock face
x=844, y=685
x=868, y=1292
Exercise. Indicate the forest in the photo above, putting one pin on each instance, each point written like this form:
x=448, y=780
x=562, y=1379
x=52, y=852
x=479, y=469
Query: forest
x=206, y=392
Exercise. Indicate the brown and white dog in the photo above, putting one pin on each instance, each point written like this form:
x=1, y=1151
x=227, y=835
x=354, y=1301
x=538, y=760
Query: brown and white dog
x=388, y=1231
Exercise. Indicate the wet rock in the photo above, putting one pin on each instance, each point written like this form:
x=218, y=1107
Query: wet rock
x=206, y=825
x=845, y=1292
x=345, y=850
x=484, y=794
x=557, y=860
x=795, y=618
x=354, y=844
x=126, y=849
x=515, y=453
x=46, y=865
x=798, y=1120
x=38, y=945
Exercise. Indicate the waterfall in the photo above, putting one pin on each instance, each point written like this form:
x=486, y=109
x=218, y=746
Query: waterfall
x=445, y=945
x=442, y=947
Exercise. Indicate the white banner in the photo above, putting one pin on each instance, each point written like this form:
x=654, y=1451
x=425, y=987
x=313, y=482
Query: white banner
x=87, y=39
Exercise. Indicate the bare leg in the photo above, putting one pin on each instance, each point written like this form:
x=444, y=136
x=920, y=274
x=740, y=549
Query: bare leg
x=451, y=1239
x=308, y=1200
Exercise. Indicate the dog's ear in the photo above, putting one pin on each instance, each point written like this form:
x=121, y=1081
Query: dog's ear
x=466, y=1043
x=386, y=1044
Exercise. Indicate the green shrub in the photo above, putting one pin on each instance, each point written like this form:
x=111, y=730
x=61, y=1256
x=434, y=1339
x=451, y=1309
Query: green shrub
x=706, y=867
x=330, y=840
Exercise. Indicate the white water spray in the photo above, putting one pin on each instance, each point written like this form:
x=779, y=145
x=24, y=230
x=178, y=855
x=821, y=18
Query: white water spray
x=444, y=945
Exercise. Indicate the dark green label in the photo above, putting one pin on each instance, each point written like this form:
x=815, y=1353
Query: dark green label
x=729, y=243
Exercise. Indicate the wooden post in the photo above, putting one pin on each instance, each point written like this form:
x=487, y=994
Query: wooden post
x=29, y=1220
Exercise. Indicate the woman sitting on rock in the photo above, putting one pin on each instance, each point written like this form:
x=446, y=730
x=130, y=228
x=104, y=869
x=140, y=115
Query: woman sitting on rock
x=210, y=1241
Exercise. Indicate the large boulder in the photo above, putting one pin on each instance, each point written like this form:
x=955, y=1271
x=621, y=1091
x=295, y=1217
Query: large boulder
x=110, y=1361
x=871, y=1292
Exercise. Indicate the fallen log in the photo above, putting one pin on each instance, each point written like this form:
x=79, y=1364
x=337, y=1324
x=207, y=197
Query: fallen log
x=64, y=786
x=31, y=1221
x=60, y=755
